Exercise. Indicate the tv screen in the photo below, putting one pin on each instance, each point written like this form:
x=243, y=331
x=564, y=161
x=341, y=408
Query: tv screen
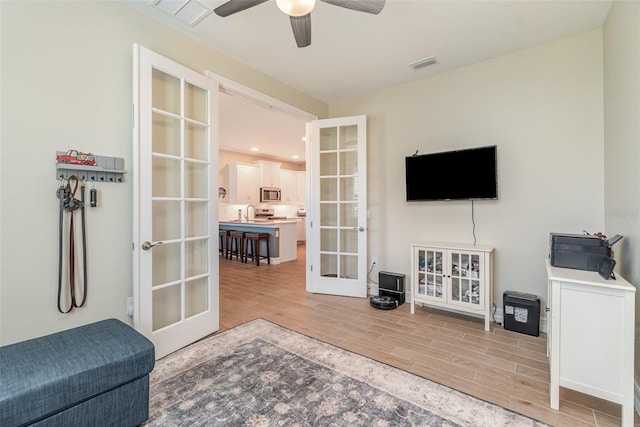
x=453, y=175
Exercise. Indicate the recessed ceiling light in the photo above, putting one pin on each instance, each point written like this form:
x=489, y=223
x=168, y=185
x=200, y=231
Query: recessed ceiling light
x=304, y=138
x=295, y=157
x=255, y=149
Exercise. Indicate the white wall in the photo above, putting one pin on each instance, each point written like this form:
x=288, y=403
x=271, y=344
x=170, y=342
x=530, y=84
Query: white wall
x=542, y=107
x=622, y=141
x=66, y=83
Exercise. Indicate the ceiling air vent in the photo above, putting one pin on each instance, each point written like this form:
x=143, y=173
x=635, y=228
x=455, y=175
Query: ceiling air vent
x=188, y=11
x=423, y=63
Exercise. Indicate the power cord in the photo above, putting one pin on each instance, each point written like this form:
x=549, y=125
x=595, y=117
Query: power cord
x=493, y=315
x=373, y=264
x=473, y=221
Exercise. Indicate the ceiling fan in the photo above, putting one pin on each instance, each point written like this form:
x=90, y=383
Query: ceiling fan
x=299, y=12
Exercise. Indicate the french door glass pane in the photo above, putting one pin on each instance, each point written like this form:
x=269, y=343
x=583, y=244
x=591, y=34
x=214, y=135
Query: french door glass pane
x=328, y=164
x=329, y=214
x=166, y=180
x=195, y=103
x=166, y=220
x=328, y=240
x=328, y=139
x=165, y=135
x=166, y=306
x=348, y=137
x=196, y=216
x=349, y=241
x=349, y=188
x=328, y=189
x=196, y=178
x=348, y=163
x=349, y=214
x=196, y=296
x=196, y=258
x=196, y=142
x=349, y=266
x=166, y=263
x=329, y=265
x=165, y=92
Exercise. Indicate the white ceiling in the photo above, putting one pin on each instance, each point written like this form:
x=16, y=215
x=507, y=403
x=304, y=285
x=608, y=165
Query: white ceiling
x=354, y=52
x=245, y=126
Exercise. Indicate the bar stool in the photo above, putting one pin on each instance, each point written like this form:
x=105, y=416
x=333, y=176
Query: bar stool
x=252, y=241
x=236, y=238
x=224, y=242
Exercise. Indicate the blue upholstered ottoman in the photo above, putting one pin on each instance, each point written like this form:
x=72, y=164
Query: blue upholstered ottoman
x=93, y=375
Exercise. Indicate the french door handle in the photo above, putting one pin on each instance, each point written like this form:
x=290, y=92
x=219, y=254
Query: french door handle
x=359, y=228
x=148, y=245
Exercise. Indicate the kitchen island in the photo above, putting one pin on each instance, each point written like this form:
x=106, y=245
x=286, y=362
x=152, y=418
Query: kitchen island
x=283, y=241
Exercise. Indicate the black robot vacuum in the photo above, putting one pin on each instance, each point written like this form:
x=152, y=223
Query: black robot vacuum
x=383, y=302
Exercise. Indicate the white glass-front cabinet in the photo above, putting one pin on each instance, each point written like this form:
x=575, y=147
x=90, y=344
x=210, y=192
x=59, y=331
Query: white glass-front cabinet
x=452, y=277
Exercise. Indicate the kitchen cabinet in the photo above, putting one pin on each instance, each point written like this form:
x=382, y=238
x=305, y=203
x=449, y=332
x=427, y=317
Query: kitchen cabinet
x=243, y=181
x=269, y=173
x=453, y=277
x=289, y=187
x=591, y=336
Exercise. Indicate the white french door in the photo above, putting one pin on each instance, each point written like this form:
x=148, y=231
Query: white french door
x=337, y=261
x=175, y=202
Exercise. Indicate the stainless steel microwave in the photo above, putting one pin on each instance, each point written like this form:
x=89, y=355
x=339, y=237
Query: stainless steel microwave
x=270, y=194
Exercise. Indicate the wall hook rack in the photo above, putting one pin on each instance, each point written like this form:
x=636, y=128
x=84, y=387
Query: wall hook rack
x=98, y=168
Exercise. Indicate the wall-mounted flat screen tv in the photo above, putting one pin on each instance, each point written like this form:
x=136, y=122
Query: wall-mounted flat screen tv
x=468, y=174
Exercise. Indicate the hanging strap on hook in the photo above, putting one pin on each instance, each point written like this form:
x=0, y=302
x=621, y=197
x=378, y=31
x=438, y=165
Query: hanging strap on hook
x=68, y=203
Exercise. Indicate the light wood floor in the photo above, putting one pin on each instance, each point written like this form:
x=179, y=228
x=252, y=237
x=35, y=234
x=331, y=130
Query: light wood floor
x=503, y=367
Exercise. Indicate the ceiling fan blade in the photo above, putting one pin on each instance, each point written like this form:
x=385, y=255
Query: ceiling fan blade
x=369, y=6
x=301, y=26
x=234, y=6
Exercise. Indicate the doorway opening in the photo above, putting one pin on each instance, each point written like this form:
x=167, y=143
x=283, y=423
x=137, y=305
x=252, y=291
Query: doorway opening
x=253, y=129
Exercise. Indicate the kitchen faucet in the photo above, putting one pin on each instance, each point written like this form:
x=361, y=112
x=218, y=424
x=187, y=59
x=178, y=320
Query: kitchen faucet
x=254, y=212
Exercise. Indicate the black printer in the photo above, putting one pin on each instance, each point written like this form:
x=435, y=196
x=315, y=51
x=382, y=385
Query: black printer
x=580, y=251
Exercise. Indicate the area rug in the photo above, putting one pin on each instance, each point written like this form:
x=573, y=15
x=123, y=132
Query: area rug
x=260, y=374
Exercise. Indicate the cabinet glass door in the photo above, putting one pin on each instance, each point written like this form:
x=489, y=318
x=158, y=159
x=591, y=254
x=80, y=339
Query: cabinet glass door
x=465, y=278
x=430, y=273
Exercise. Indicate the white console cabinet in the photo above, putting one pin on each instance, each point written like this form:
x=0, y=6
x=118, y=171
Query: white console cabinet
x=453, y=277
x=591, y=336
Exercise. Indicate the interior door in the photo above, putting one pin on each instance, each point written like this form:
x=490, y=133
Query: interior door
x=175, y=202
x=337, y=258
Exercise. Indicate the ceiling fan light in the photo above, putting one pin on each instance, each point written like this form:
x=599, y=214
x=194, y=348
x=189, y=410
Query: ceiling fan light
x=296, y=7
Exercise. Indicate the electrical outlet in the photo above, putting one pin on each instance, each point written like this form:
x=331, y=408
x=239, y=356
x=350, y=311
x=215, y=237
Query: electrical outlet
x=374, y=260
